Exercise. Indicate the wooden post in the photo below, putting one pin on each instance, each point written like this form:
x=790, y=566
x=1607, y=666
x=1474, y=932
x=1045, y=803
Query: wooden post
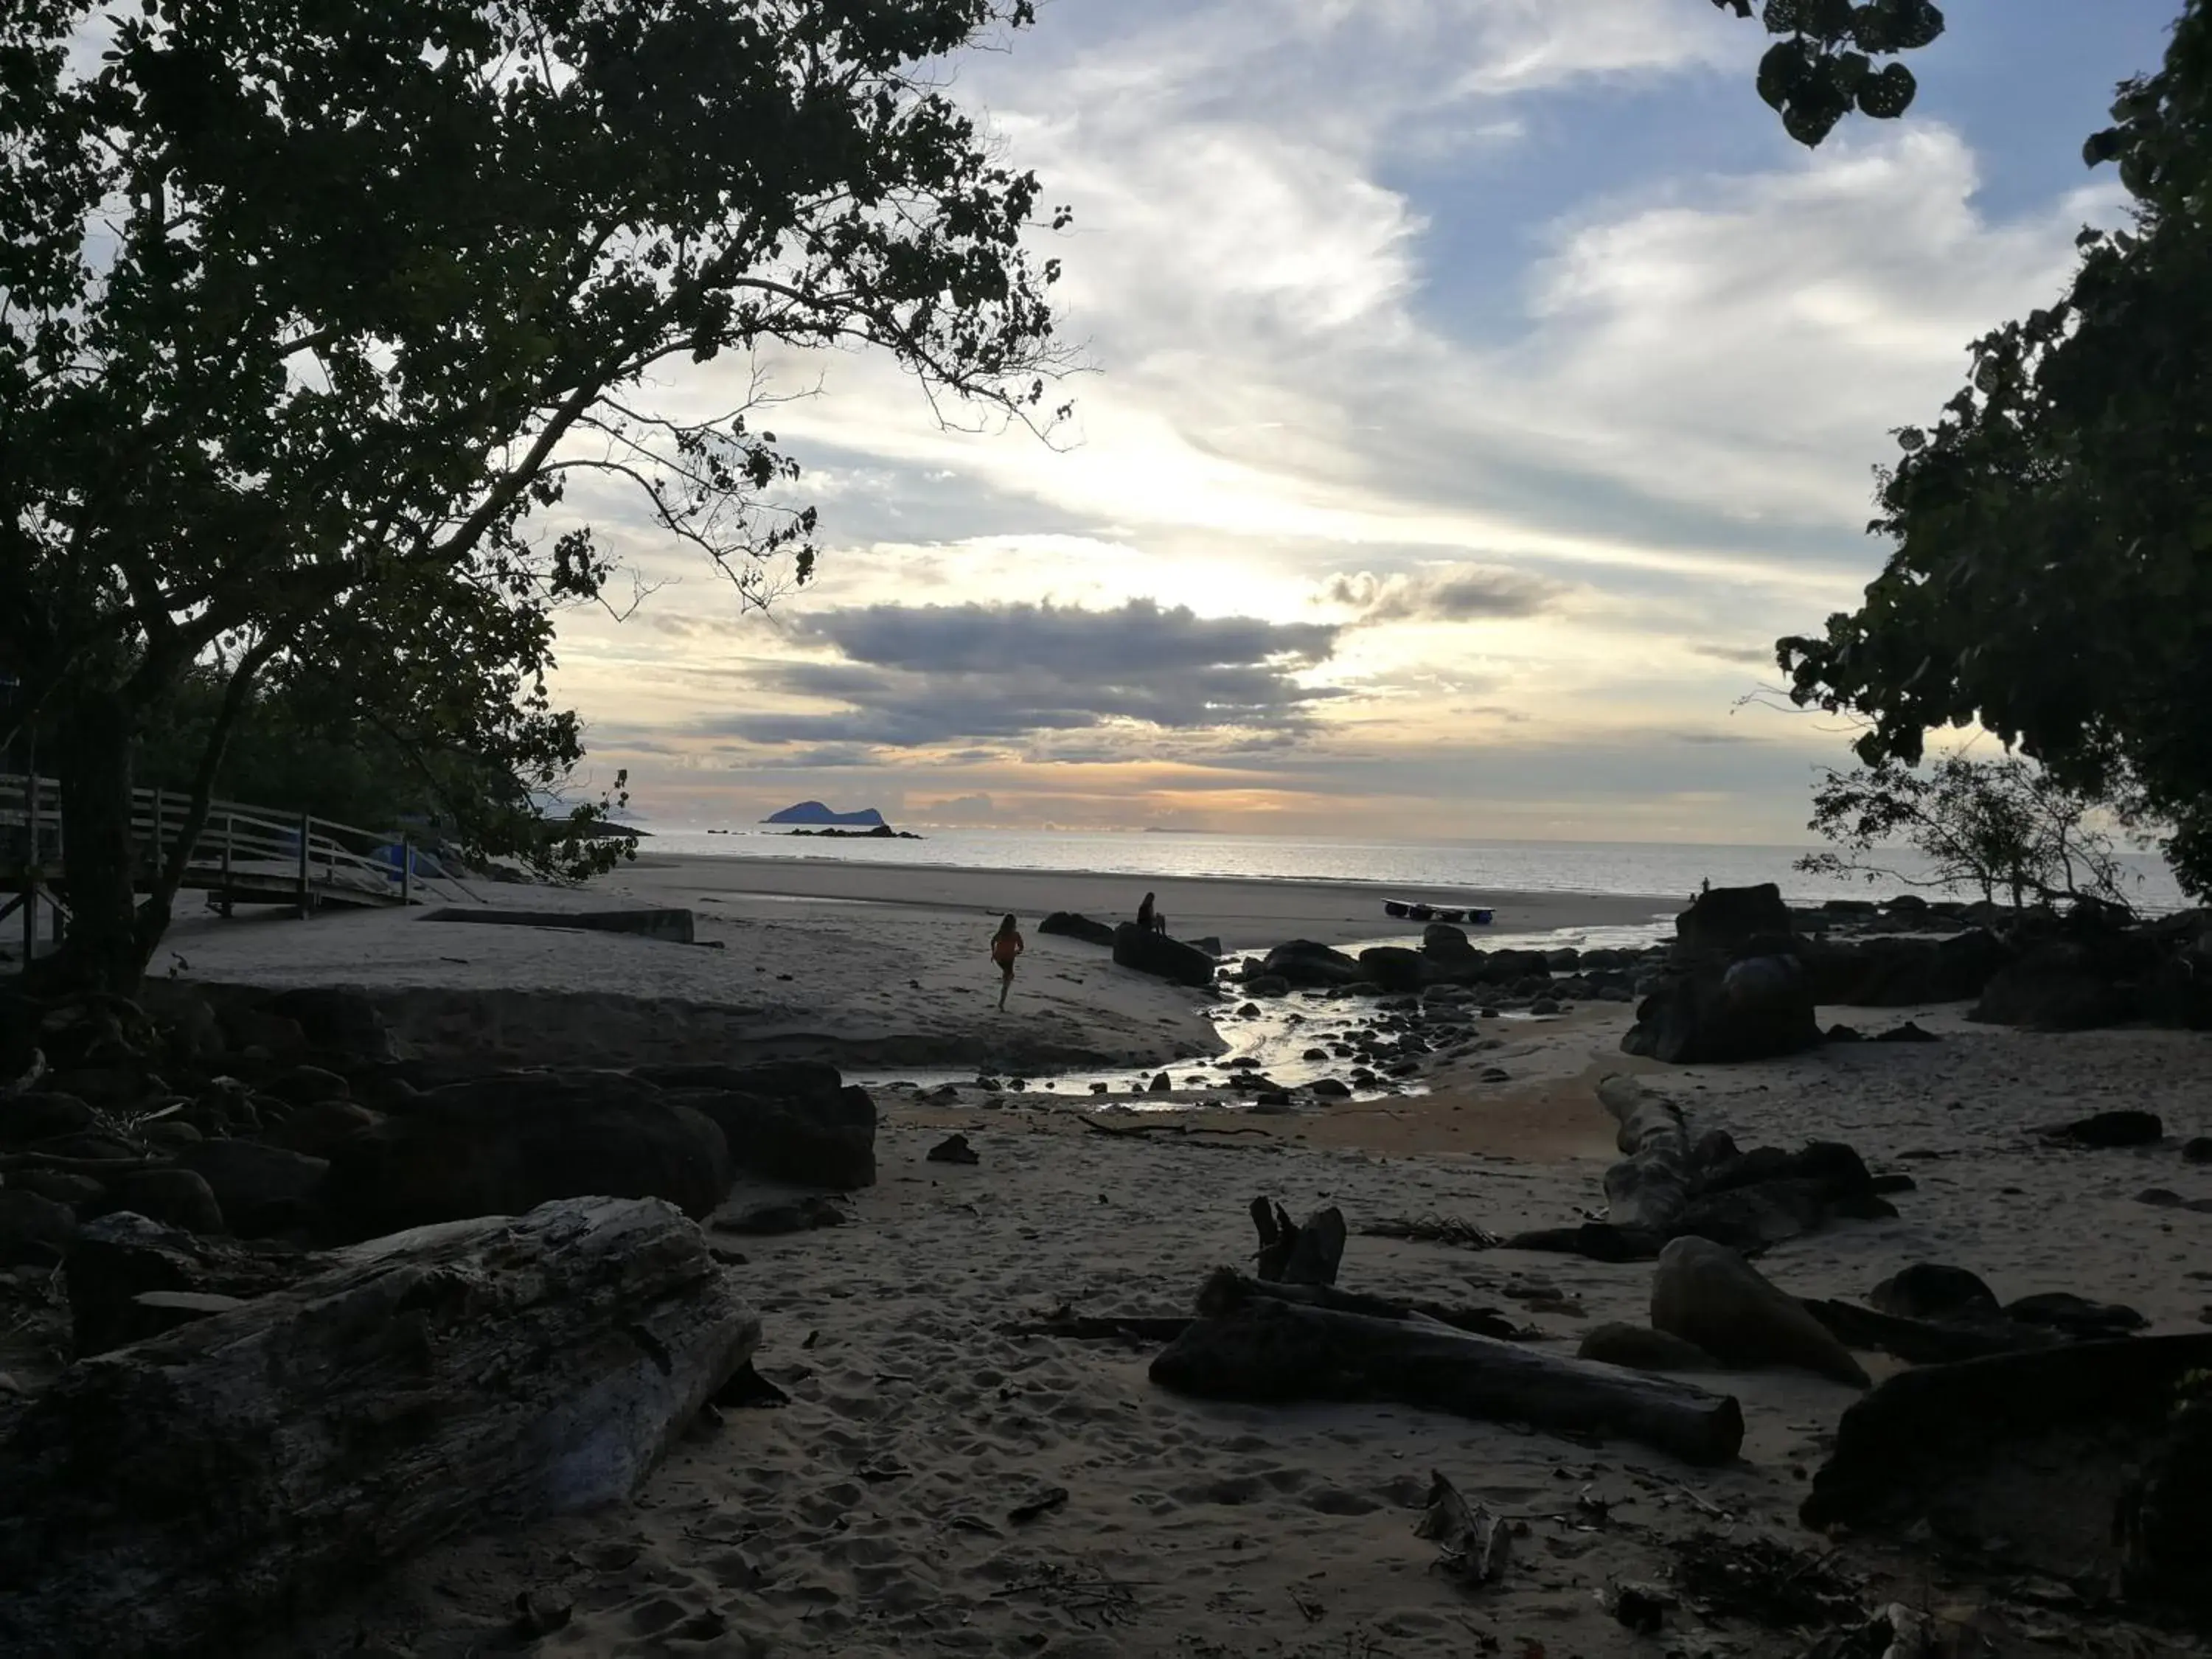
x=306, y=900
x=406, y=869
x=223, y=900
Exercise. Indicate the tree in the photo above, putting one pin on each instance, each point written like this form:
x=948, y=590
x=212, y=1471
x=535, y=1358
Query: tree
x=1823, y=67
x=2051, y=575
x=309, y=310
x=1998, y=825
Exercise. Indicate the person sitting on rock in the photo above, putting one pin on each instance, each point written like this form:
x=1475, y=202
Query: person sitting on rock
x=1149, y=921
x=1006, y=946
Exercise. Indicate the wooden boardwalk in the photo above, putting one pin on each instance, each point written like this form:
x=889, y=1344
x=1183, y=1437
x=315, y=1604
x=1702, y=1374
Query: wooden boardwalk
x=244, y=854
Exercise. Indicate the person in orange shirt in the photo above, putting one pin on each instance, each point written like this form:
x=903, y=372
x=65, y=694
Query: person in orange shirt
x=1006, y=946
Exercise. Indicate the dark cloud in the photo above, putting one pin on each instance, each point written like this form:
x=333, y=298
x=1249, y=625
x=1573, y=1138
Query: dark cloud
x=912, y=676
x=1750, y=656
x=1452, y=592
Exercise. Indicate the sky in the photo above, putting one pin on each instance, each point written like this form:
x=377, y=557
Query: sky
x=1474, y=390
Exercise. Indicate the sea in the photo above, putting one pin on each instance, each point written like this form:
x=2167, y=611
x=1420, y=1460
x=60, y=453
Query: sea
x=1471, y=869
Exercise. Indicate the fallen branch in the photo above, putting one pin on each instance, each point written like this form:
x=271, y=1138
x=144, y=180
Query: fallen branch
x=1429, y=1228
x=1298, y=1253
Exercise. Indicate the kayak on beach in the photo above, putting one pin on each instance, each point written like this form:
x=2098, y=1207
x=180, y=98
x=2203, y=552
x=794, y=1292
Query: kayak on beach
x=1407, y=912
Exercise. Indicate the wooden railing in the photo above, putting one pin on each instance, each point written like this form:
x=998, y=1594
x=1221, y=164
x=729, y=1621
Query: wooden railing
x=242, y=854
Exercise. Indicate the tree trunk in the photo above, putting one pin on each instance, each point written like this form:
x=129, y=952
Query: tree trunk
x=174, y=1495
x=1263, y=1347
x=99, y=855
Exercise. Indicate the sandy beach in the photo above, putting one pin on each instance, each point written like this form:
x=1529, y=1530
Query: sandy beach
x=887, y=1509
x=872, y=1515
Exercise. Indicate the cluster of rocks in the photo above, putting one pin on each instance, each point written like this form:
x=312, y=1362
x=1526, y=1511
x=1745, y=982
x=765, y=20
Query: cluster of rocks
x=288, y=1123
x=1447, y=960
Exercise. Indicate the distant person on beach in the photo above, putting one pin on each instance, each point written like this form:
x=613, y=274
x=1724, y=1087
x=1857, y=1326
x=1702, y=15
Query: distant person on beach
x=1150, y=920
x=1006, y=946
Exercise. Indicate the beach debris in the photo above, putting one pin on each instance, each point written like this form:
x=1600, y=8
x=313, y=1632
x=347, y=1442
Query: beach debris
x=1260, y=1341
x=1472, y=1542
x=603, y=1317
x=1307, y=1253
x=1040, y=1501
x=1088, y=1596
x=1707, y=1294
x=1431, y=1228
x=2105, y=1130
x=1761, y=1579
x=953, y=1149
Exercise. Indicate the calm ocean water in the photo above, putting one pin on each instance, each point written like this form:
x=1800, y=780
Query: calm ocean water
x=1472, y=868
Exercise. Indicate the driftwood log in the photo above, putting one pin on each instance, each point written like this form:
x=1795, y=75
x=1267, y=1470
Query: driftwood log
x=1648, y=1190
x=173, y=1495
x=1927, y=1341
x=1255, y=1344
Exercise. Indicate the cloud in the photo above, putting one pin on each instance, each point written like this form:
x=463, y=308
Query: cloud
x=1454, y=592
x=916, y=675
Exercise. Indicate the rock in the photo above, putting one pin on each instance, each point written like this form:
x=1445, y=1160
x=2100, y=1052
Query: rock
x=343, y=1024
x=1543, y=1005
x=2056, y=987
x=93, y=1145
x=1149, y=952
x=1929, y=1289
x=1722, y=919
x=175, y=1198
x=1160, y=1085
x=504, y=1144
x=1640, y=1348
x=1908, y=1032
x=1211, y=944
x=273, y=1035
x=1448, y=945
x=2197, y=1150
x=262, y=1189
x=1267, y=985
x=1394, y=967
x=320, y=1129
x=791, y=1120
x=2109, y=1130
x=1708, y=1295
x=953, y=1149
x=798, y=1215
x=1302, y=962
x=43, y=1116
x=118, y=1257
x=1069, y=924
x=80, y=1192
x=179, y=1495
x=303, y=1085
x=1753, y=1009
x=170, y=1134
x=34, y=1232
x=2077, y=1316
x=1329, y=1088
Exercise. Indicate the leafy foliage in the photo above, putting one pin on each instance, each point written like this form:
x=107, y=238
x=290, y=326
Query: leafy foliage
x=311, y=311
x=2052, y=573
x=1824, y=68
x=2003, y=826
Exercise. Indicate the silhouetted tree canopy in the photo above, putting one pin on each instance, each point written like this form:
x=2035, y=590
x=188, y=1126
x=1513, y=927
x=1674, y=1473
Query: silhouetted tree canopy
x=2052, y=572
x=1823, y=67
x=309, y=310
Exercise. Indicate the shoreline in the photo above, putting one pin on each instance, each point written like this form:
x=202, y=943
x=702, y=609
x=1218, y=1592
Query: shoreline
x=1244, y=912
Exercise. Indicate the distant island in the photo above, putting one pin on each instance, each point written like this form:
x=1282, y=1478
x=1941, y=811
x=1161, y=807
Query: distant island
x=813, y=811
x=881, y=832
